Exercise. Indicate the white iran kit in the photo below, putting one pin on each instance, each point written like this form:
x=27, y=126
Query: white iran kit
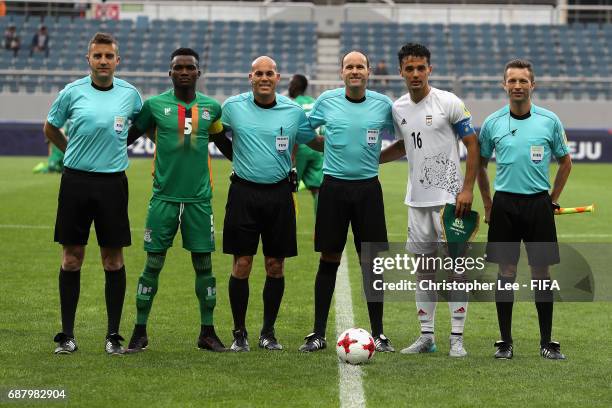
x=432, y=150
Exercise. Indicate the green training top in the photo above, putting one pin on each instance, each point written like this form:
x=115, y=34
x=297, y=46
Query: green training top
x=181, y=171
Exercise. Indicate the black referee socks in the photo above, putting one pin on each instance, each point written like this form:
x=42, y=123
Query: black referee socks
x=273, y=291
x=69, y=290
x=114, y=291
x=504, y=301
x=239, y=300
x=324, y=291
x=544, y=305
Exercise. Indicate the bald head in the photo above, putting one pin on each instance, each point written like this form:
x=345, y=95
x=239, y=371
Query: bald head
x=355, y=55
x=263, y=63
x=263, y=77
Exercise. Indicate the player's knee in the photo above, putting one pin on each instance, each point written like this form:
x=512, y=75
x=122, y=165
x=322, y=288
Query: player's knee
x=112, y=258
x=202, y=263
x=540, y=272
x=72, y=258
x=275, y=267
x=155, y=261
x=242, y=267
x=507, y=271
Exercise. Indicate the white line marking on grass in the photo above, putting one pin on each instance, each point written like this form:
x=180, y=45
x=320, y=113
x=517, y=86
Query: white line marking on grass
x=350, y=383
x=301, y=233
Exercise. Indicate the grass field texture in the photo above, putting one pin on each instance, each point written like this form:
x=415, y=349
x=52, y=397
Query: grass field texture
x=173, y=372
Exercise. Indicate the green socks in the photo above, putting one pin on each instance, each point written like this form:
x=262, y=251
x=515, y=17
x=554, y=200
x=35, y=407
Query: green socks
x=147, y=286
x=205, y=286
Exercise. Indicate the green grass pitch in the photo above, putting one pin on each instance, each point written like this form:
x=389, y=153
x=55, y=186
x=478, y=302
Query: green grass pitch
x=173, y=372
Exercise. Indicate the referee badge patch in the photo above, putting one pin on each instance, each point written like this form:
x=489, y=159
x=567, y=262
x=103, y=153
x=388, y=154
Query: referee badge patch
x=282, y=143
x=119, y=124
x=372, y=137
x=537, y=154
x=428, y=120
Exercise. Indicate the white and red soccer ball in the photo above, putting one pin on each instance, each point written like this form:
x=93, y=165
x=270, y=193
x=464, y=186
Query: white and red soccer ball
x=355, y=346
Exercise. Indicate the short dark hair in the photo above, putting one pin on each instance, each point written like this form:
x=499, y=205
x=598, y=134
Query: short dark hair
x=185, y=51
x=415, y=50
x=103, y=38
x=297, y=85
x=520, y=63
x=359, y=51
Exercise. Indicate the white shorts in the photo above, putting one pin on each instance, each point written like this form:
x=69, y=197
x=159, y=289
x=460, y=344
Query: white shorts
x=424, y=229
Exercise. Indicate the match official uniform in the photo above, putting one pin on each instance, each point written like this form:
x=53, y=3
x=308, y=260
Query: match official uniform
x=94, y=185
x=259, y=200
x=522, y=209
x=351, y=192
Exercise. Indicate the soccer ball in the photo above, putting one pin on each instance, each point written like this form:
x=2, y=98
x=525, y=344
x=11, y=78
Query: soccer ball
x=355, y=346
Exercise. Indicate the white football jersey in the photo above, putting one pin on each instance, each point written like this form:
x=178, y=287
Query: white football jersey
x=432, y=146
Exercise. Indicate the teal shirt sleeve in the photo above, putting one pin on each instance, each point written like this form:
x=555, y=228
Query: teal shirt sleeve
x=58, y=114
x=305, y=132
x=315, y=117
x=559, y=141
x=144, y=119
x=137, y=103
x=226, y=115
x=486, y=144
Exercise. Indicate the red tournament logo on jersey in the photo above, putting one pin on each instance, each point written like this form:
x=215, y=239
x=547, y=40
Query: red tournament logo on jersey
x=421, y=312
x=460, y=310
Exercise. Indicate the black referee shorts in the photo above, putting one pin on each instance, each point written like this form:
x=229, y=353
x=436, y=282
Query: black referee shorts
x=99, y=197
x=358, y=202
x=255, y=209
x=522, y=217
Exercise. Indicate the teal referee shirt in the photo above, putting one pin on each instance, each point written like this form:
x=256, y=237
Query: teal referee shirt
x=99, y=122
x=353, y=132
x=263, y=136
x=523, y=148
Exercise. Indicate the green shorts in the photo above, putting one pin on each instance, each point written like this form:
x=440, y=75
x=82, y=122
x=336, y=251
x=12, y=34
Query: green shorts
x=164, y=219
x=309, y=165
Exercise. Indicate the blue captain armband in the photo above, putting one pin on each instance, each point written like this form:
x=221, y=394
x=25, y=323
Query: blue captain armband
x=464, y=127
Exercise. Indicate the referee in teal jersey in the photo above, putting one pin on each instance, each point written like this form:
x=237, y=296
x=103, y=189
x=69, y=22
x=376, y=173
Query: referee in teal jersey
x=265, y=126
x=94, y=186
x=355, y=119
x=524, y=137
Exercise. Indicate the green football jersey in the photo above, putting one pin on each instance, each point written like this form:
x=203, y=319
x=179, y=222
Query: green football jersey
x=305, y=101
x=181, y=171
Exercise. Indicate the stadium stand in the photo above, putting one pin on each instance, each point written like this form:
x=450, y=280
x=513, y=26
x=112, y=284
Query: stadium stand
x=224, y=46
x=474, y=52
x=578, y=51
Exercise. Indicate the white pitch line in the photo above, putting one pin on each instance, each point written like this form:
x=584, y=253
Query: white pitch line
x=350, y=382
x=300, y=233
